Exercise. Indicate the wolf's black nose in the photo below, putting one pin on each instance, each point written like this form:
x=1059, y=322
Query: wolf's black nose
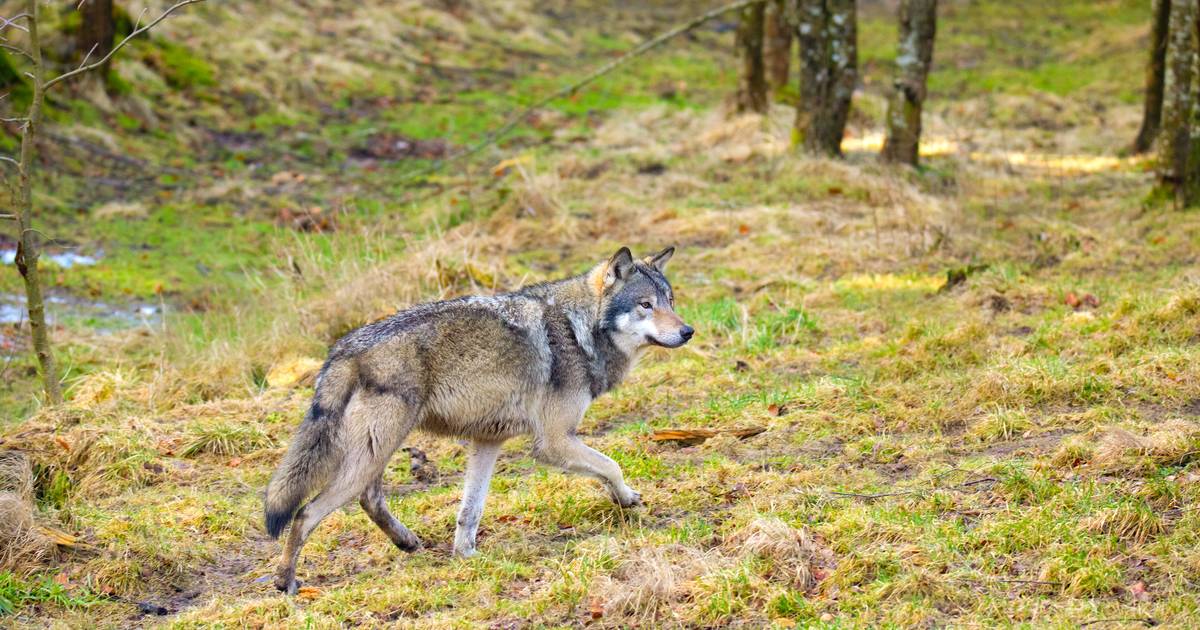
x=686, y=332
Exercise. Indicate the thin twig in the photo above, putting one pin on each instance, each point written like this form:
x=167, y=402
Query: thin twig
x=875, y=496
x=1149, y=621
x=17, y=50
x=646, y=46
x=138, y=31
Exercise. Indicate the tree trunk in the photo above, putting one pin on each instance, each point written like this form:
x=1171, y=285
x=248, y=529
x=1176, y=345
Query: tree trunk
x=777, y=47
x=1178, y=97
x=752, y=84
x=96, y=31
x=27, y=240
x=827, y=33
x=918, y=25
x=1153, y=104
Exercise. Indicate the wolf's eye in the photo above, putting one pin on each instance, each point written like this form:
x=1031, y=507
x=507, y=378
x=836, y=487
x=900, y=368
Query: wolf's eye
x=646, y=305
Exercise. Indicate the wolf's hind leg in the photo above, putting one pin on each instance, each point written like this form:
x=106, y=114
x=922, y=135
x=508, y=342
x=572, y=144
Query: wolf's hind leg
x=480, y=465
x=307, y=519
x=373, y=426
x=571, y=454
x=373, y=504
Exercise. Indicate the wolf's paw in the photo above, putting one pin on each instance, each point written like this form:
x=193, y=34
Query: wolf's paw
x=288, y=585
x=629, y=499
x=465, y=552
x=409, y=543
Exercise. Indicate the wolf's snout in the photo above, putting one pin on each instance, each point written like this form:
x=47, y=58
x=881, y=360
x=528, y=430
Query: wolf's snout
x=686, y=332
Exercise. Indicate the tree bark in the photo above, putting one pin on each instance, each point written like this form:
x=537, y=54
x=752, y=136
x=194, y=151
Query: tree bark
x=777, y=47
x=1178, y=98
x=27, y=241
x=918, y=26
x=1153, y=103
x=752, y=84
x=827, y=33
x=96, y=31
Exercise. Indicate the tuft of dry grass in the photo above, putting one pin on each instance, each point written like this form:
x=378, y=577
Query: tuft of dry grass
x=792, y=550
x=1137, y=523
x=1174, y=442
x=651, y=578
x=22, y=545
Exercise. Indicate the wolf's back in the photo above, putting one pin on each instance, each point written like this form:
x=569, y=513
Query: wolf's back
x=315, y=450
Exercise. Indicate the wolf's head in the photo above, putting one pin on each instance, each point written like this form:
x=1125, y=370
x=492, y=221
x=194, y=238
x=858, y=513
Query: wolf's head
x=637, y=305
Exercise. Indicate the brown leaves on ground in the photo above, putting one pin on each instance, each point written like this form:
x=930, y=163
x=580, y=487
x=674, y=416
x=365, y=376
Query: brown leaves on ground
x=1077, y=302
x=394, y=146
x=312, y=219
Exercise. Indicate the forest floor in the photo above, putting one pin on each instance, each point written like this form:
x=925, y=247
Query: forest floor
x=979, y=381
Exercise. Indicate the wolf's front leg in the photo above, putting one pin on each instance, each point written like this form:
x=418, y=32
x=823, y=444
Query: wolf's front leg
x=480, y=465
x=570, y=453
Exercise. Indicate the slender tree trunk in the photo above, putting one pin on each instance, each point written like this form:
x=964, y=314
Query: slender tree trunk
x=96, y=31
x=1153, y=104
x=918, y=26
x=827, y=33
x=27, y=242
x=752, y=84
x=1178, y=97
x=777, y=47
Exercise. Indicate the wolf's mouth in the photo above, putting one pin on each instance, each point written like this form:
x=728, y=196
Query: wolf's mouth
x=662, y=344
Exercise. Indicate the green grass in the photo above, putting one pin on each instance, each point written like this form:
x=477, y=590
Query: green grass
x=983, y=455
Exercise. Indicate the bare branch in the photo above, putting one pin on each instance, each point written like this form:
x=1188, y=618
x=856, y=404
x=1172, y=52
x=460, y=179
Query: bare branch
x=12, y=21
x=89, y=54
x=17, y=50
x=137, y=31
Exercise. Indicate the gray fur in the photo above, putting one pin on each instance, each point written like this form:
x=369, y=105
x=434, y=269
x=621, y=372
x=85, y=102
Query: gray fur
x=487, y=369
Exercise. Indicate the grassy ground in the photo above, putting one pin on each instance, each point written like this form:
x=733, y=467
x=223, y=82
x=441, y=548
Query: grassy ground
x=1016, y=447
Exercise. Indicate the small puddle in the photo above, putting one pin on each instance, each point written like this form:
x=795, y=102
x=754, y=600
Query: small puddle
x=65, y=258
x=102, y=317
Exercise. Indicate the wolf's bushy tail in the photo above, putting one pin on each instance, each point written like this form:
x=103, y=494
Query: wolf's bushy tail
x=315, y=451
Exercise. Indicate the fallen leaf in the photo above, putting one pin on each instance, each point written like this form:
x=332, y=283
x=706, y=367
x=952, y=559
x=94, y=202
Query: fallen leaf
x=776, y=410
x=1139, y=592
x=61, y=441
x=235, y=462
x=784, y=622
x=308, y=592
x=743, y=229
x=596, y=608
x=1072, y=300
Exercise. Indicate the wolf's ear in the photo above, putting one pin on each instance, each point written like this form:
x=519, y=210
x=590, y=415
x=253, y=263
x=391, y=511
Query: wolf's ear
x=659, y=260
x=619, y=267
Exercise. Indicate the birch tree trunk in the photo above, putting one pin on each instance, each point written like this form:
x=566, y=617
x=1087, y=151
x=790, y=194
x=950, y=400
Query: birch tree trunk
x=1153, y=103
x=777, y=47
x=752, y=84
x=918, y=26
x=27, y=241
x=1178, y=97
x=827, y=33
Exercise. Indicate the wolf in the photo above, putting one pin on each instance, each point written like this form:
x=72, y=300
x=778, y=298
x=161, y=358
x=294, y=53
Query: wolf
x=486, y=369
